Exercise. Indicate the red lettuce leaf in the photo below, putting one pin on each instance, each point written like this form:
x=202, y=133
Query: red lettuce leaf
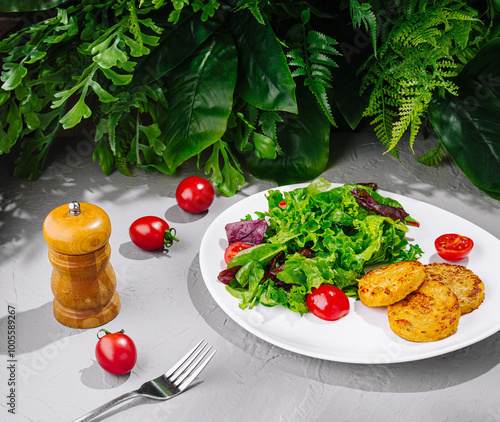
x=247, y=231
x=367, y=201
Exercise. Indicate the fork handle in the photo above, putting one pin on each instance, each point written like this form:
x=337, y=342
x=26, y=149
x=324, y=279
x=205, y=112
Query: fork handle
x=107, y=406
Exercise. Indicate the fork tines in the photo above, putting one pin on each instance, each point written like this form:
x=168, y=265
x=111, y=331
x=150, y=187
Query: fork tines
x=190, y=366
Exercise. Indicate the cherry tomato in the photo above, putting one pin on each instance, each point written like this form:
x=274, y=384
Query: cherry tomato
x=328, y=302
x=115, y=352
x=453, y=247
x=151, y=233
x=233, y=249
x=194, y=194
x=282, y=205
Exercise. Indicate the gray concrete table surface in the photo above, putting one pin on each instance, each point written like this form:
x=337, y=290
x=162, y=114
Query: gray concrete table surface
x=166, y=308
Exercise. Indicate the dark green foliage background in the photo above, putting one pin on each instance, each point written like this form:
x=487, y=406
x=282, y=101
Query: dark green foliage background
x=266, y=83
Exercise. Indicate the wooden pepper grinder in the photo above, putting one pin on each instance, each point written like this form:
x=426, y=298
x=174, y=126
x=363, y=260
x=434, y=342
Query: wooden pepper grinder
x=83, y=281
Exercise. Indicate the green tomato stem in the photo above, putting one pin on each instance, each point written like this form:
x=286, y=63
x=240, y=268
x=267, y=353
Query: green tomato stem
x=169, y=237
x=106, y=332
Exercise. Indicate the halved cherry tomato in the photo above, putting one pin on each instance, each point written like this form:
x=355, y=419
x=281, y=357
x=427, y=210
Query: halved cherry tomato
x=233, y=249
x=115, y=352
x=328, y=302
x=282, y=205
x=453, y=247
x=151, y=233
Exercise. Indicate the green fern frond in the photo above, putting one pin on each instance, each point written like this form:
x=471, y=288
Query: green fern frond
x=119, y=3
x=268, y=120
x=446, y=64
x=410, y=6
x=122, y=166
x=469, y=15
x=323, y=42
x=415, y=124
x=321, y=71
x=134, y=26
x=151, y=93
x=393, y=94
x=362, y=14
x=319, y=91
x=434, y=156
x=461, y=33
x=409, y=112
x=322, y=59
x=313, y=61
x=383, y=118
x=253, y=6
x=451, y=87
x=111, y=127
x=299, y=72
x=423, y=52
x=297, y=59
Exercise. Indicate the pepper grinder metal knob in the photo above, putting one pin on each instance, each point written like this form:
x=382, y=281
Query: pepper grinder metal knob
x=74, y=208
x=83, y=281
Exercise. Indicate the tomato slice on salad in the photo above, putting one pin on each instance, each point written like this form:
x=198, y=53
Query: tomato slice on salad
x=453, y=247
x=328, y=302
x=233, y=249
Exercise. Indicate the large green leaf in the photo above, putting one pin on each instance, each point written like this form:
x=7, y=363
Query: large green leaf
x=200, y=96
x=469, y=124
x=8, y=6
x=264, y=78
x=177, y=42
x=305, y=142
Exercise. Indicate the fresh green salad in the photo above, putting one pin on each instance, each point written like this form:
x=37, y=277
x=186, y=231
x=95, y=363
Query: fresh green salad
x=311, y=236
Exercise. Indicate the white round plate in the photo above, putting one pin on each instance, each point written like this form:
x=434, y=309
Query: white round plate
x=363, y=336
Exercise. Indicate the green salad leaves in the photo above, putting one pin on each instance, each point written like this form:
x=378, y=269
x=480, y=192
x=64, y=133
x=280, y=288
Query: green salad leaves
x=321, y=235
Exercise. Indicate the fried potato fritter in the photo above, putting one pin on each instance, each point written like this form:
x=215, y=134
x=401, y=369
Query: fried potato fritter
x=465, y=284
x=391, y=283
x=430, y=313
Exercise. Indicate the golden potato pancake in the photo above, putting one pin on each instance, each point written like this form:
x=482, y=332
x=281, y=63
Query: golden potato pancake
x=465, y=284
x=428, y=314
x=389, y=284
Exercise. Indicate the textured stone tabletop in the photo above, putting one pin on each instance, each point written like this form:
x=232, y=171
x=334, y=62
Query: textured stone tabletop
x=166, y=309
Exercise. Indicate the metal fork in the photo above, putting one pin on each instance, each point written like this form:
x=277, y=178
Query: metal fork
x=166, y=386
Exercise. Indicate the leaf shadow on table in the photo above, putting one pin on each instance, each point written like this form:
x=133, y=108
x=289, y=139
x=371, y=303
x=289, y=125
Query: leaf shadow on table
x=71, y=174
x=429, y=374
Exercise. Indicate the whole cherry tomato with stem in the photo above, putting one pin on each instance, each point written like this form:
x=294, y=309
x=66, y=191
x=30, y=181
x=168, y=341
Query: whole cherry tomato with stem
x=328, y=302
x=194, y=194
x=115, y=352
x=151, y=233
x=453, y=247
